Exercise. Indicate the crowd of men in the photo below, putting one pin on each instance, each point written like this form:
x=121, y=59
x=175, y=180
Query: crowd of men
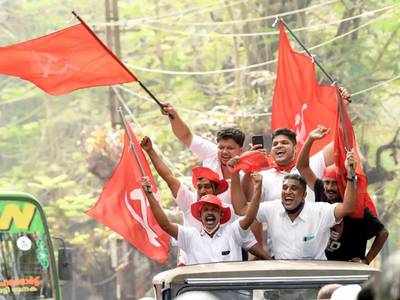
x=291, y=210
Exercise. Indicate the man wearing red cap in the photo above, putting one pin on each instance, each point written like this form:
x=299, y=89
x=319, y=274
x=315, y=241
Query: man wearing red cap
x=206, y=182
x=214, y=243
x=349, y=238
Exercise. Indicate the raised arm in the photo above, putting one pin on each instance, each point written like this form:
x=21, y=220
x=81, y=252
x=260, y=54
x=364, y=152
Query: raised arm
x=350, y=194
x=179, y=127
x=161, y=168
x=303, y=162
x=252, y=209
x=159, y=214
x=328, y=149
x=238, y=199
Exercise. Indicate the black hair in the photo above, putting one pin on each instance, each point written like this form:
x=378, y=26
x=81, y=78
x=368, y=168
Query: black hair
x=231, y=133
x=213, y=184
x=290, y=134
x=297, y=177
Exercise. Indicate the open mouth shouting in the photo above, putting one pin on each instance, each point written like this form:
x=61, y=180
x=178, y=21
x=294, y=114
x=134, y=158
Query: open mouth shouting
x=288, y=201
x=210, y=219
x=280, y=154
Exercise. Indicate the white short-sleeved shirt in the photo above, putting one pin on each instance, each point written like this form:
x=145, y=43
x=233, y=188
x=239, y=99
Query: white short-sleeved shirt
x=272, y=179
x=225, y=245
x=304, y=238
x=184, y=199
x=207, y=152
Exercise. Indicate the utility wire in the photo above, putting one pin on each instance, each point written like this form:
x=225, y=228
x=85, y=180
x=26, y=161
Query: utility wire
x=266, y=33
x=375, y=86
x=133, y=22
x=175, y=15
x=197, y=112
x=126, y=107
x=269, y=17
x=239, y=69
x=245, y=115
x=230, y=70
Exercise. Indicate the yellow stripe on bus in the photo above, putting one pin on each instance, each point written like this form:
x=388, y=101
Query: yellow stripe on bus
x=22, y=217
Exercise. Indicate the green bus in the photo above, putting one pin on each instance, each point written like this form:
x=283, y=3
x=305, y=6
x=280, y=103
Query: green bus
x=28, y=268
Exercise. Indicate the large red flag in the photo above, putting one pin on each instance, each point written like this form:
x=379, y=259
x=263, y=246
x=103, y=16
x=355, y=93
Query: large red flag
x=64, y=61
x=345, y=140
x=123, y=206
x=299, y=102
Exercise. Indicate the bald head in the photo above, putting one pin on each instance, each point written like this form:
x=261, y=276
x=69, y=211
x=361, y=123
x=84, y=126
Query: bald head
x=326, y=291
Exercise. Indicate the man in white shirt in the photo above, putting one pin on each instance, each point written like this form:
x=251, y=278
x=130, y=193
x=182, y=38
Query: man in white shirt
x=300, y=229
x=205, y=181
x=212, y=155
x=214, y=243
x=283, y=151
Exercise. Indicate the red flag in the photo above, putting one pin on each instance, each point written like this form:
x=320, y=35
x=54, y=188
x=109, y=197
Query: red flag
x=63, y=61
x=254, y=161
x=345, y=140
x=299, y=102
x=123, y=206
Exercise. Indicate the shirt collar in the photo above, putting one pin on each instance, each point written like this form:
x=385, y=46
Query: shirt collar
x=217, y=233
x=302, y=216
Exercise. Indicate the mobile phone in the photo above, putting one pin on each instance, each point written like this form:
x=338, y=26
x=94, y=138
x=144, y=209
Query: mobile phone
x=257, y=140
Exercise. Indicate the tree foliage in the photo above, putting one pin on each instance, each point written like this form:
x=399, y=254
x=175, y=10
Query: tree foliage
x=191, y=54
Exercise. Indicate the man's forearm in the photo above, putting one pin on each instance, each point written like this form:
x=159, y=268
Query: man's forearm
x=258, y=251
x=165, y=172
x=239, y=201
x=181, y=130
x=377, y=245
x=252, y=210
x=160, y=216
x=304, y=156
x=350, y=197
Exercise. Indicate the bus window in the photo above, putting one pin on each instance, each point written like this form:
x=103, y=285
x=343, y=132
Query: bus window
x=25, y=262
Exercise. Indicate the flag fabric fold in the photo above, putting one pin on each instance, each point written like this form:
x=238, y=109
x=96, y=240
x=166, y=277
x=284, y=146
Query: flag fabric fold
x=253, y=161
x=123, y=206
x=299, y=102
x=64, y=61
x=345, y=140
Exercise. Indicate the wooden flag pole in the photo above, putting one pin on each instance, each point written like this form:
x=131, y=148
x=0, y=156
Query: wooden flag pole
x=131, y=144
x=118, y=60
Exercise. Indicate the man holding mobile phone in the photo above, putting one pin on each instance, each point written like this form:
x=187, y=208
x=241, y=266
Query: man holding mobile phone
x=258, y=141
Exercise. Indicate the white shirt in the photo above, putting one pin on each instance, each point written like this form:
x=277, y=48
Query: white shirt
x=184, y=199
x=225, y=245
x=207, y=152
x=304, y=238
x=272, y=179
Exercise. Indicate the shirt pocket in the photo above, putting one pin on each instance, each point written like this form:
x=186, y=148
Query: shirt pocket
x=225, y=251
x=309, y=243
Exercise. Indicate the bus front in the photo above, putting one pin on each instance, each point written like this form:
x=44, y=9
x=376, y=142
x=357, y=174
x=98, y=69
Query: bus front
x=27, y=263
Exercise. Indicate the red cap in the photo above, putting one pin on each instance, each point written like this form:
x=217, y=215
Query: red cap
x=212, y=199
x=202, y=172
x=331, y=173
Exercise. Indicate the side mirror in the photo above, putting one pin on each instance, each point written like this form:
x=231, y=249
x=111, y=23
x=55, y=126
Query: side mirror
x=65, y=263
